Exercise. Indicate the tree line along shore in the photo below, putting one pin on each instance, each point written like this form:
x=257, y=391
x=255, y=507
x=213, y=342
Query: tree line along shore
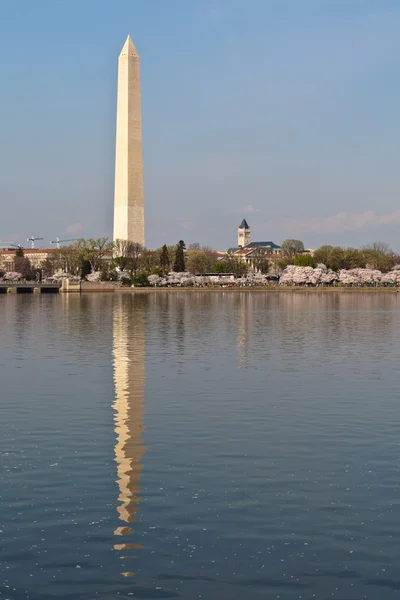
x=126, y=264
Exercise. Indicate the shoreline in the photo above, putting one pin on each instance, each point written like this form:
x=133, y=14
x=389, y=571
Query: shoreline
x=235, y=290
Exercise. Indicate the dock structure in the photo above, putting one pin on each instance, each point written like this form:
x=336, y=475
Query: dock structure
x=29, y=287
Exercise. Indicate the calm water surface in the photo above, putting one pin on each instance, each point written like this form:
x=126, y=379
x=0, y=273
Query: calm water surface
x=216, y=446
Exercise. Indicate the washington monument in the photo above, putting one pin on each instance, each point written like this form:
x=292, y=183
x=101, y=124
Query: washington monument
x=128, y=195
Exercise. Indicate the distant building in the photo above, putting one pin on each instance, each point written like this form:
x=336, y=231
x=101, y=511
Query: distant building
x=246, y=248
x=37, y=256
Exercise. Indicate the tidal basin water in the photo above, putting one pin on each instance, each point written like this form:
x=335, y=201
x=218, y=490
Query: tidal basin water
x=218, y=446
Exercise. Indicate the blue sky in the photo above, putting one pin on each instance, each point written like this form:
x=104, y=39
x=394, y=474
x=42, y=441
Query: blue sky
x=285, y=112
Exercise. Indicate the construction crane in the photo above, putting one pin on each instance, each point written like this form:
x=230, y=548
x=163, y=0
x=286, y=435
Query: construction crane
x=58, y=242
x=10, y=245
x=33, y=239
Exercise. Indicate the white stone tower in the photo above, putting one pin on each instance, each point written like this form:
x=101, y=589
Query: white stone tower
x=128, y=196
x=244, y=234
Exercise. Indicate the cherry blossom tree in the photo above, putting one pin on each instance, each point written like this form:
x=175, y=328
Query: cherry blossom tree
x=360, y=276
x=12, y=276
x=292, y=275
x=94, y=277
x=319, y=275
x=392, y=277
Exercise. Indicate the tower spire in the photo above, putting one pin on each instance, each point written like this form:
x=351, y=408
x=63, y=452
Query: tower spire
x=244, y=234
x=128, y=49
x=128, y=195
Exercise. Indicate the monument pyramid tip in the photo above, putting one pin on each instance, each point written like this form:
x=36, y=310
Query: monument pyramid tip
x=129, y=48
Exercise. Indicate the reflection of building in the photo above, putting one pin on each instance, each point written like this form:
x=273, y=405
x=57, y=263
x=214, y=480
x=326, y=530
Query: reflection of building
x=129, y=381
x=243, y=328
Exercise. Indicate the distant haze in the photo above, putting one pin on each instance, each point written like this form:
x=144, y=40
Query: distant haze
x=284, y=112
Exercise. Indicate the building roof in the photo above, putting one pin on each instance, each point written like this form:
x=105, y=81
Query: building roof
x=248, y=250
x=244, y=225
x=262, y=245
x=31, y=251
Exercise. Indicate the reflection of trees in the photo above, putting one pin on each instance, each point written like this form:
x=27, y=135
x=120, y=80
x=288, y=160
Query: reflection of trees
x=299, y=325
x=243, y=327
x=180, y=314
x=255, y=314
x=23, y=317
x=82, y=317
x=20, y=314
x=129, y=382
x=170, y=315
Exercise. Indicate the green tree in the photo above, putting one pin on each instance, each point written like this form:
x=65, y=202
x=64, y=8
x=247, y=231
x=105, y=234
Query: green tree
x=200, y=262
x=140, y=280
x=352, y=258
x=94, y=251
x=68, y=259
x=335, y=258
x=284, y=262
x=108, y=273
x=135, y=252
x=304, y=260
x=345, y=258
x=220, y=266
x=121, y=251
x=19, y=253
x=85, y=268
x=379, y=256
x=179, y=264
x=48, y=267
x=194, y=246
x=23, y=265
x=236, y=265
x=292, y=247
x=127, y=255
x=321, y=255
x=149, y=260
x=165, y=260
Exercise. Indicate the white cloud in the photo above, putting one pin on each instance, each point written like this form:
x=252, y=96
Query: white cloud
x=74, y=228
x=247, y=209
x=342, y=221
x=187, y=225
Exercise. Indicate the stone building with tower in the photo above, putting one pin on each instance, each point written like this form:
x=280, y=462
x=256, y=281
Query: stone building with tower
x=245, y=248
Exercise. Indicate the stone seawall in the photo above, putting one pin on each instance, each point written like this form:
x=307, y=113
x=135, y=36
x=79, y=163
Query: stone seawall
x=101, y=286
x=115, y=287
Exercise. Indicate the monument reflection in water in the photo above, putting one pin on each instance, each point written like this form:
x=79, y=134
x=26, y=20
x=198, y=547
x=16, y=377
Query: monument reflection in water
x=129, y=382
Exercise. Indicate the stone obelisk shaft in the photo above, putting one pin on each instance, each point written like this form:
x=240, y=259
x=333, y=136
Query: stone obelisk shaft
x=128, y=196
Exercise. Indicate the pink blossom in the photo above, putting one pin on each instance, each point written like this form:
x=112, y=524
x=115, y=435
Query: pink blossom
x=12, y=276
